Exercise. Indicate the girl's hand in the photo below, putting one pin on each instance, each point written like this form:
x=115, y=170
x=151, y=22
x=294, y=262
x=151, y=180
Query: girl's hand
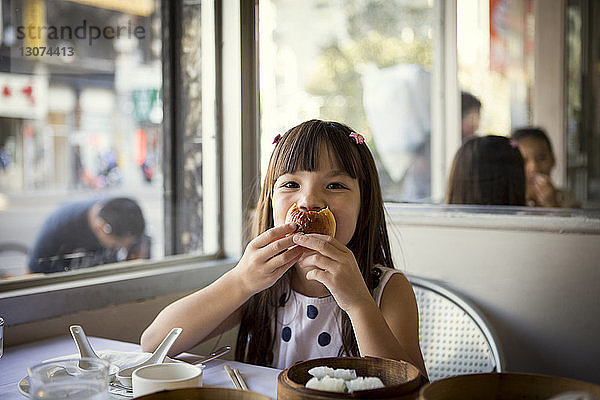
x=336, y=269
x=544, y=191
x=266, y=258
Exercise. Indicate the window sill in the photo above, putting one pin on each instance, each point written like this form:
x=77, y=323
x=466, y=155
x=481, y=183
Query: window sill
x=533, y=219
x=49, y=296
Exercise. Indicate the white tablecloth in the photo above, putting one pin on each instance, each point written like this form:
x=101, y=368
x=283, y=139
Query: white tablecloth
x=16, y=359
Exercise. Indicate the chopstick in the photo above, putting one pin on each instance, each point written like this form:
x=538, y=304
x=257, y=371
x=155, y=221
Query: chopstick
x=240, y=378
x=233, y=377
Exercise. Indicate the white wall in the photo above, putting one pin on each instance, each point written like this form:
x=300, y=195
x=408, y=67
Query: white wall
x=539, y=287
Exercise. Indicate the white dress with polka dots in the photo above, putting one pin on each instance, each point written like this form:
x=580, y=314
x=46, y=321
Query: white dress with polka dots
x=310, y=327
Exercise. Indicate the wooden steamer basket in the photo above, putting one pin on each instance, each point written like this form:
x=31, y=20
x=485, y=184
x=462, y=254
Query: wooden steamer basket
x=504, y=386
x=204, y=393
x=402, y=380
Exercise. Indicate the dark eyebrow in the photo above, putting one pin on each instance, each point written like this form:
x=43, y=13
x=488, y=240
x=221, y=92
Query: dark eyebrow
x=339, y=172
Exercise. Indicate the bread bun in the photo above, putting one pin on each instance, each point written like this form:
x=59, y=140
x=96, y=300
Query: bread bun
x=321, y=221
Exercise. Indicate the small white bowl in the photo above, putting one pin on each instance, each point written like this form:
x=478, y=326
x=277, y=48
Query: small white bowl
x=167, y=376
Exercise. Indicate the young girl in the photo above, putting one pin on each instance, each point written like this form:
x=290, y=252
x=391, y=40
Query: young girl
x=299, y=296
x=537, y=152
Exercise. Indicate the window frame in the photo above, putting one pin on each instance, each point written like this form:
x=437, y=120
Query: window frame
x=28, y=300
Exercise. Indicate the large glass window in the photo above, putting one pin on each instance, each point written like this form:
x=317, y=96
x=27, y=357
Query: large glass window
x=81, y=123
x=362, y=62
x=416, y=77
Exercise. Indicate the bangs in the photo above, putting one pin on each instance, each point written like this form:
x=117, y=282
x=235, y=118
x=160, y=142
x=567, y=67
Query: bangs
x=301, y=147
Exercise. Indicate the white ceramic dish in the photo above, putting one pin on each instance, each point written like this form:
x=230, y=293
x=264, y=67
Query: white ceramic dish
x=168, y=376
x=23, y=386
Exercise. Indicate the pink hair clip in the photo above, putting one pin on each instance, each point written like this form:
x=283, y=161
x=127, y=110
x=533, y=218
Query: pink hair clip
x=276, y=139
x=514, y=144
x=358, y=137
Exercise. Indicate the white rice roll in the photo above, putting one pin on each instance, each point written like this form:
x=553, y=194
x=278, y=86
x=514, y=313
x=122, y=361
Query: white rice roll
x=320, y=372
x=327, y=383
x=364, y=383
x=345, y=374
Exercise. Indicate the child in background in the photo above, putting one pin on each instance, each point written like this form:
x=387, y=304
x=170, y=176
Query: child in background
x=301, y=296
x=539, y=159
x=470, y=115
x=487, y=170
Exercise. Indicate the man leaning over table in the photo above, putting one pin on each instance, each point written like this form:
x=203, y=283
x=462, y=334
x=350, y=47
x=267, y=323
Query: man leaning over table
x=89, y=233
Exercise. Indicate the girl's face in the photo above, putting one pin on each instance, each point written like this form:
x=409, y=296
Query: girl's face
x=328, y=186
x=537, y=157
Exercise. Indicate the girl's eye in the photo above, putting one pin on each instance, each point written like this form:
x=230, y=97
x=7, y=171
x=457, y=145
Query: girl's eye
x=289, y=185
x=541, y=158
x=336, y=185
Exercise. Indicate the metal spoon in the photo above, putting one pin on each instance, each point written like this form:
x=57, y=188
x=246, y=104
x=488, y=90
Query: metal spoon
x=215, y=354
x=195, y=360
x=124, y=376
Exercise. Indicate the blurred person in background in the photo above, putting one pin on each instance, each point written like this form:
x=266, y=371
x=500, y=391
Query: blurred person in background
x=536, y=149
x=77, y=167
x=4, y=157
x=487, y=170
x=89, y=233
x=470, y=113
x=397, y=106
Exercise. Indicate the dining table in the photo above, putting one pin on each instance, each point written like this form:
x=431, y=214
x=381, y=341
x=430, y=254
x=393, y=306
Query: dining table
x=16, y=359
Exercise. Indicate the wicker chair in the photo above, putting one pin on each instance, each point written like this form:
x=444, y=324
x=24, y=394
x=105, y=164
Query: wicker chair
x=455, y=339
